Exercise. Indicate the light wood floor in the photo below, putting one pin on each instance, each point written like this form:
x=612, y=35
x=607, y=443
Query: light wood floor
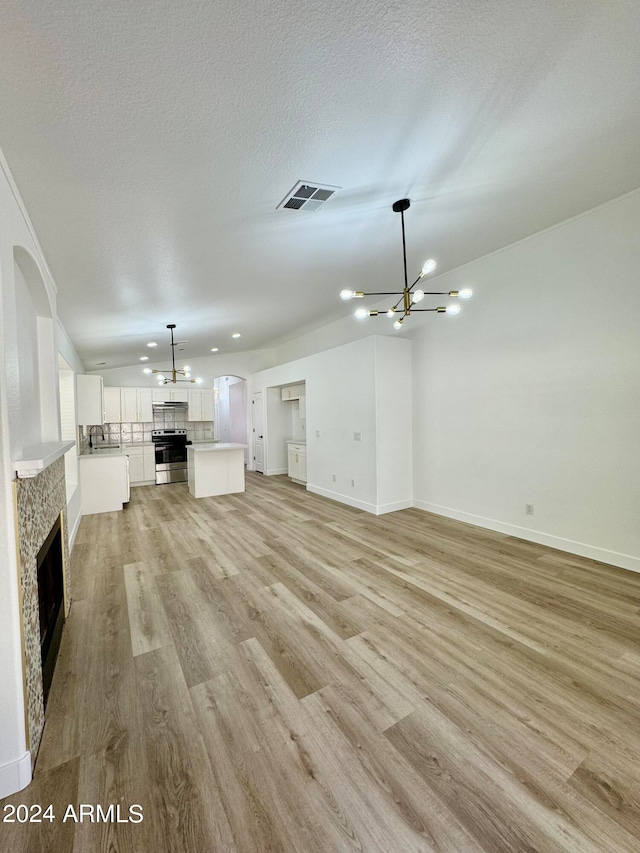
x=277, y=672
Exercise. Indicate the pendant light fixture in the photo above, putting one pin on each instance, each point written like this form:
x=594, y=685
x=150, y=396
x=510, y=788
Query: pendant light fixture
x=408, y=297
x=180, y=374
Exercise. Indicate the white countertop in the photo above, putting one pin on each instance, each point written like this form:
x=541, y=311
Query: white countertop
x=214, y=445
x=296, y=441
x=108, y=451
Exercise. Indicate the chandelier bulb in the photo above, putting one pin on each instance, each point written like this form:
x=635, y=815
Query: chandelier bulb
x=453, y=309
x=417, y=296
x=391, y=312
x=398, y=324
x=147, y=370
x=347, y=294
x=466, y=293
x=362, y=313
x=428, y=267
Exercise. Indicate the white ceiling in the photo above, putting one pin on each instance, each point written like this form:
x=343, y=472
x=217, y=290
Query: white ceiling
x=152, y=141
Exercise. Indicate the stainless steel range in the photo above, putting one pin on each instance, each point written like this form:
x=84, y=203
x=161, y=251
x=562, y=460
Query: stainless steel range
x=171, y=455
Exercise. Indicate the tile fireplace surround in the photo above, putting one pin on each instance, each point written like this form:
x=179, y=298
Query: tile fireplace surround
x=39, y=501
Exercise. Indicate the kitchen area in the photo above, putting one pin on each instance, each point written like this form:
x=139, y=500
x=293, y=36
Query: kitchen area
x=130, y=437
x=137, y=436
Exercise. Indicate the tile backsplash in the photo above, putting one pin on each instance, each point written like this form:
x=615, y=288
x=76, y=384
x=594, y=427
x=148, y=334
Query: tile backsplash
x=126, y=433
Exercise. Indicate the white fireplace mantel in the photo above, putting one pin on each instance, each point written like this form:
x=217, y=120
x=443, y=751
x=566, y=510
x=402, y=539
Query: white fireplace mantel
x=35, y=459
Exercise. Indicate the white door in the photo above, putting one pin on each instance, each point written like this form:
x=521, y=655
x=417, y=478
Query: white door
x=258, y=432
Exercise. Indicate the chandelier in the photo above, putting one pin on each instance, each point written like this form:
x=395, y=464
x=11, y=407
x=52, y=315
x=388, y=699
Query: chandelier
x=180, y=374
x=408, y=297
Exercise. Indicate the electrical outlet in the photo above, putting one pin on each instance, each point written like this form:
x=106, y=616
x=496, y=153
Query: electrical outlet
x=353, y=483
x=529, y=509
x=357, y=436
x=317, y=433
x=333, y=477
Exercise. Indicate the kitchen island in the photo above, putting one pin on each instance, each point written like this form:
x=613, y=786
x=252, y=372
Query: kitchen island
x=215, y=468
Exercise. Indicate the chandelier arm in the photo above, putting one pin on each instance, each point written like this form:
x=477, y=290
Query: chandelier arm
x=404, y=252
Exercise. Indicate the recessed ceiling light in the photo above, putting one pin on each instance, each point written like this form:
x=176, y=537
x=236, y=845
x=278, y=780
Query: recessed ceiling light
x=144, y=358
x=214, y=349
x=152, y=344
x=235, y=335
x=100, y=363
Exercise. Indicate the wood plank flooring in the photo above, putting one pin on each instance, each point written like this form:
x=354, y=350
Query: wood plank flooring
x=273, y=671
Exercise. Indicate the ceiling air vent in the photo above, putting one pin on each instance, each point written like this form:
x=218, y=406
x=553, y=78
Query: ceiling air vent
x=306, y=196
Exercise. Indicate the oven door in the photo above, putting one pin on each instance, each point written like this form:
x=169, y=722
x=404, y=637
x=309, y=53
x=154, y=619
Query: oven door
x=171, y=464
x=168, y=454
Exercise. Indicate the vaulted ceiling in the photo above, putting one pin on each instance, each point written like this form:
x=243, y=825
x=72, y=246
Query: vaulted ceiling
x=153, y=140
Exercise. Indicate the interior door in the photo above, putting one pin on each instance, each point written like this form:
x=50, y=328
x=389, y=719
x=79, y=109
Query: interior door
x=258, y=432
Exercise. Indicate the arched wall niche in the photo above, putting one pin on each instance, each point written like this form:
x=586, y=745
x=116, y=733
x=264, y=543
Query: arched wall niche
x=32, y=376
x=34, y=281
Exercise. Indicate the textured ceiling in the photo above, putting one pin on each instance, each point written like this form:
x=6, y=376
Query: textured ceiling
x=152, y=142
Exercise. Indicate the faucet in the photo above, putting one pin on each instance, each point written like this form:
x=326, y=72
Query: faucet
x=95, y=427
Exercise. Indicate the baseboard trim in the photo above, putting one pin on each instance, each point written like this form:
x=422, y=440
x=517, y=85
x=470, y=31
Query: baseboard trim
x=73, y=532
x=15, y=775
x=343, y=499
x=272, y=472
x=374, y=509
x=394, y=507
x=592, y=552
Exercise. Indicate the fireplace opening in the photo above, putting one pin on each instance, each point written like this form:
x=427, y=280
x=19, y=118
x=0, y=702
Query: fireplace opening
x=51, y=603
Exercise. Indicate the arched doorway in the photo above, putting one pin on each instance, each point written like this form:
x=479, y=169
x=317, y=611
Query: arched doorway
x=230, y=409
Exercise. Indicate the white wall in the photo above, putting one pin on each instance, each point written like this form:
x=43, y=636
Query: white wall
x=30, y=337
x=532, y=394
x=20, y=360
x=341, y=399
x=394, y=426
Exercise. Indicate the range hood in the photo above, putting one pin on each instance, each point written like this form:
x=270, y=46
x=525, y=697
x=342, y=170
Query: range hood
x=170, y=404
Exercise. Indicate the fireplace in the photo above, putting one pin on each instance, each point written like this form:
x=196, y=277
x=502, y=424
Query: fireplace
x=41, y=511
x=50, y=603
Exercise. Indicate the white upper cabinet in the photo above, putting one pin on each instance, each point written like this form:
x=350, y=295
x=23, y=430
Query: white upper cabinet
x=112, y=411
x=161, y=395
x=200, y=405
x=145, y=412
x=166, y=394
x=128, y=401
x=89, y=399
x=136, y=405
x=293, y=392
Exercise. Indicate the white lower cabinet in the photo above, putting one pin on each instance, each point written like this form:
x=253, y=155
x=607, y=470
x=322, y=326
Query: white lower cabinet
x=104, y=483
x=297, y=457
x=142, y=464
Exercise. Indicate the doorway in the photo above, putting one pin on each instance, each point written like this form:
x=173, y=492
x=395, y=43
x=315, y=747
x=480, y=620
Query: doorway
x=230, y=409
x=257, y=410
